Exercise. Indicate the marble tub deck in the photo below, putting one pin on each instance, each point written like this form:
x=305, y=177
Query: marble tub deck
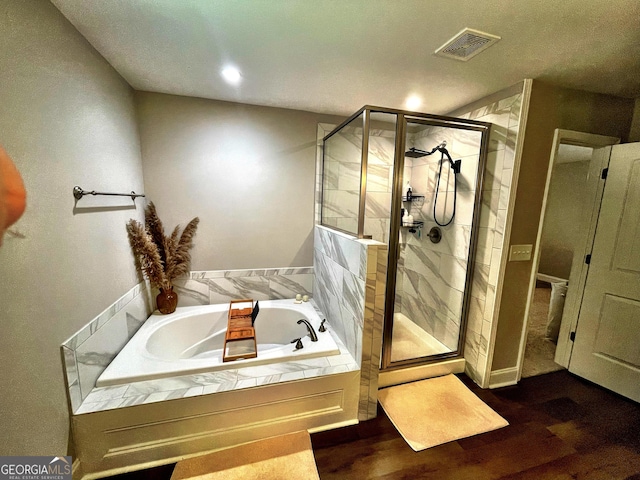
x=151, y=391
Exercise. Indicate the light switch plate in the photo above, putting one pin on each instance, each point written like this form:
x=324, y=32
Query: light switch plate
x=520, y=253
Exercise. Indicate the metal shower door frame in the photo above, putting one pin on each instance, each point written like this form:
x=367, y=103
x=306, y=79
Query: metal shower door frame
x=404, y=118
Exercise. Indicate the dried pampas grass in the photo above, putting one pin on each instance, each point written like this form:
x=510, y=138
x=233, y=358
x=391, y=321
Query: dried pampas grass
x=180, y=251
x=162, y=258
x=155, y=229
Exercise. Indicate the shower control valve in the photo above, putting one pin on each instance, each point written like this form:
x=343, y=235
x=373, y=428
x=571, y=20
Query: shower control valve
x=435, y=235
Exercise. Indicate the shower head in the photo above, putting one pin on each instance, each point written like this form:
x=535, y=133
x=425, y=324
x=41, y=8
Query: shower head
x=415, y=153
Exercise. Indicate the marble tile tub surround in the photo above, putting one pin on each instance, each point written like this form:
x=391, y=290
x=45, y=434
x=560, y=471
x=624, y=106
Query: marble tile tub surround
x=221, y=286
x=88, y=352
x=350, y=288
x=152, y=391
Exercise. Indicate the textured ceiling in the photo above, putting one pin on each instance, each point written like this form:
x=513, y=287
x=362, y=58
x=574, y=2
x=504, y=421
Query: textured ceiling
x=334, y=56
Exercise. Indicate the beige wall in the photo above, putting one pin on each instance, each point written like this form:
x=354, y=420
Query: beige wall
x=634, y=134
x=248, y=172
x=67, y=118
x=550, y=108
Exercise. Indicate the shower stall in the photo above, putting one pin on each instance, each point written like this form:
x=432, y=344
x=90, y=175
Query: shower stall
x=414, y=182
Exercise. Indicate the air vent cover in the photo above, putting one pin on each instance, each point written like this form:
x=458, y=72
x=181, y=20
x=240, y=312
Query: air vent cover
x=467, y=44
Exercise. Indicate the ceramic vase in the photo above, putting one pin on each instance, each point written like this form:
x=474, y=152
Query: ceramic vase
x=167, y=300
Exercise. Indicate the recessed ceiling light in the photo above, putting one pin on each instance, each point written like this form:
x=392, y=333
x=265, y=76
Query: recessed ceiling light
x=413, y=102
x=231, y=75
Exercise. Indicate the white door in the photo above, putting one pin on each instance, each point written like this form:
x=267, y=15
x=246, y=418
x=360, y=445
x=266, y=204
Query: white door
x=606, y=349
x=583, y=246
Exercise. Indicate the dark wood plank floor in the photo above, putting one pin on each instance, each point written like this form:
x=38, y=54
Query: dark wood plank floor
x=561, y=427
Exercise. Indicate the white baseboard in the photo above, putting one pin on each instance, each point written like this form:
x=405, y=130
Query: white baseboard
x=504, y=377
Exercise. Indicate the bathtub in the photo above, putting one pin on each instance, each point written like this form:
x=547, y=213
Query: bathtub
x=190, y=341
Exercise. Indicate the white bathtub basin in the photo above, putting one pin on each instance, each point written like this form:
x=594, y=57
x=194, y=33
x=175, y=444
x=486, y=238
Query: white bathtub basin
x=190, y=341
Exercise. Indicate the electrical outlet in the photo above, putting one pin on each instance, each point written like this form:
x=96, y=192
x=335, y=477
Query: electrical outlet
x=520, y=253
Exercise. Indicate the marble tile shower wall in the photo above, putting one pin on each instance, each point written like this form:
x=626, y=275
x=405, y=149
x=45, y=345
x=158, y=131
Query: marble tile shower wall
x=379, y=184
x=504, y=115
x=349, y=288
x=323, y=130
x=340, y=263
x=342, y=165
x=374, y=307
x=87, y=353
x=432, y=276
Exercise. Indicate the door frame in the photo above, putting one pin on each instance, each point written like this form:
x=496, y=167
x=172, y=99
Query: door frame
x=570, y=317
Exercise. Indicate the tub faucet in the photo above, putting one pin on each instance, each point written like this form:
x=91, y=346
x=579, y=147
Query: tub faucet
x=312, y=332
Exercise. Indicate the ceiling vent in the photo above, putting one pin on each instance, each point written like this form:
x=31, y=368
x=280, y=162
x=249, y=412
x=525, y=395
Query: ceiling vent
x=466, y=44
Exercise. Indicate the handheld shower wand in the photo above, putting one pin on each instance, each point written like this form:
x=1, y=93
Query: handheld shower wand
x=455, y=167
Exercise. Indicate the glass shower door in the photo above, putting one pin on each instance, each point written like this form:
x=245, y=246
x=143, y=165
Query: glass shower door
x=438, y=210
x=342, y=177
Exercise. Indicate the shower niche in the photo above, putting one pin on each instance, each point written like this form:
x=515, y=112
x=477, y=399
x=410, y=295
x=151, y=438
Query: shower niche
x=413, y=181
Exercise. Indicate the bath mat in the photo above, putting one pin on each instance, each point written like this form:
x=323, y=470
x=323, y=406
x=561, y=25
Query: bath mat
x=286, y=456
x=436, y=411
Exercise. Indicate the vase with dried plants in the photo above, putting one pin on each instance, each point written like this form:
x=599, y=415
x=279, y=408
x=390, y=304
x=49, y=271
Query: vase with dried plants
x=162, y=258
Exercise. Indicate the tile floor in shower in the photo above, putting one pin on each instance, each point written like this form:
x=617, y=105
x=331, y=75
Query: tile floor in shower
x=410, y=341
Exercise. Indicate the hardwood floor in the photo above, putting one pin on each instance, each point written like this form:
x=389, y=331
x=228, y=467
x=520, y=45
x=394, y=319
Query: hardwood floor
x=561, y=427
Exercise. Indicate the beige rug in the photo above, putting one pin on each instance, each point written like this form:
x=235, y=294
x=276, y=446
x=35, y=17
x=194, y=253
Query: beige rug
x=436, y=411
x=286, y=456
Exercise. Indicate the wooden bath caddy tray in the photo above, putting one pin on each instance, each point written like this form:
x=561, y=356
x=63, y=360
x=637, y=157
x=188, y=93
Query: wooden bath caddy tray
x=241, y=336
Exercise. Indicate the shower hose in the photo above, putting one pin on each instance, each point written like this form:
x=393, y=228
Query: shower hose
x=455, y=188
